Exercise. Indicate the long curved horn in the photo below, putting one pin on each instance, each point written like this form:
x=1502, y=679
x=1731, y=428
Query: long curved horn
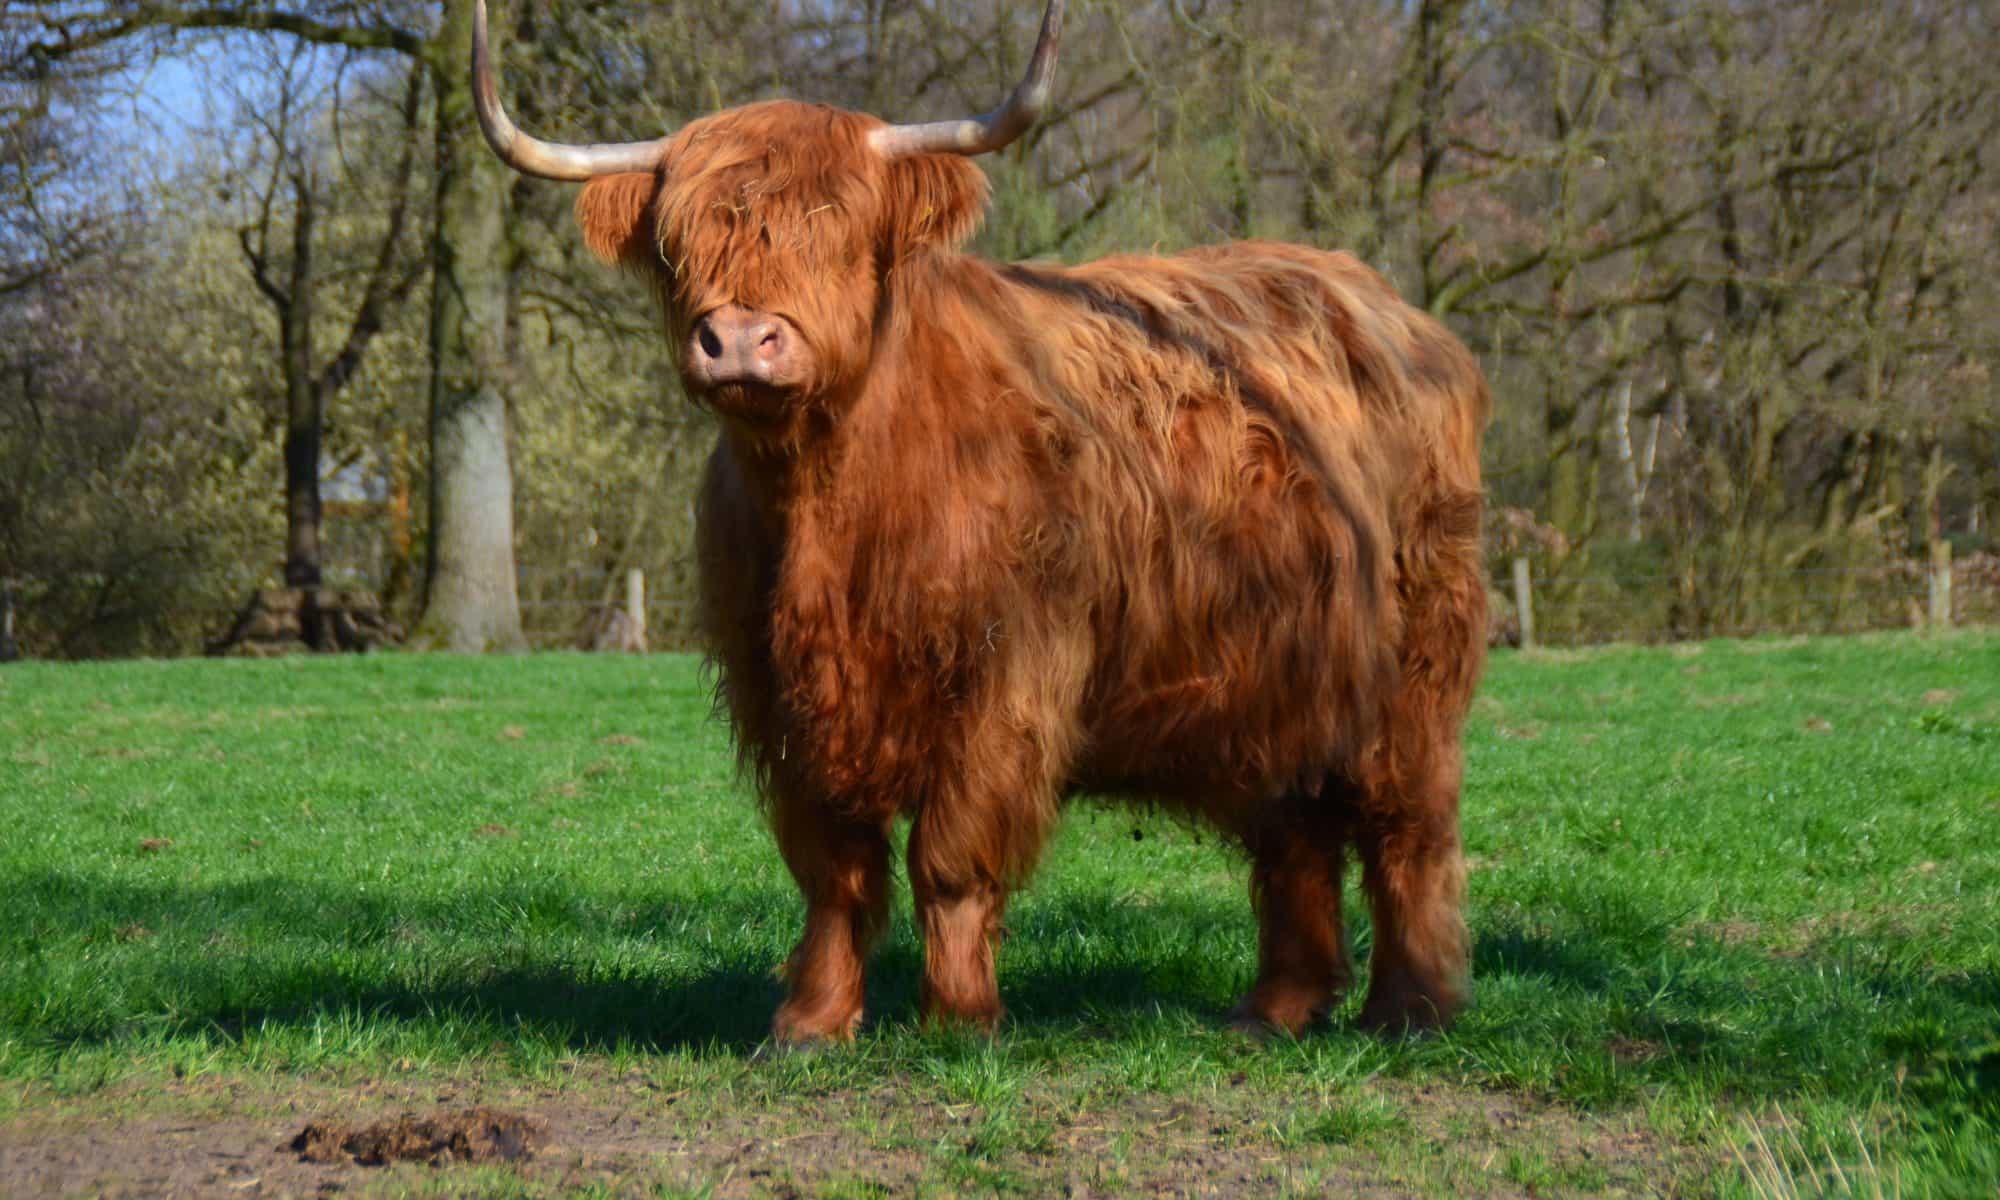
x=982, y=135
x=532, y=155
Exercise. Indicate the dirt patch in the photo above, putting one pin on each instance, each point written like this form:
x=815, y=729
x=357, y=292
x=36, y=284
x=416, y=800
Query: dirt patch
x=475, y=1135
x=266, y=1136
x=763, y=1135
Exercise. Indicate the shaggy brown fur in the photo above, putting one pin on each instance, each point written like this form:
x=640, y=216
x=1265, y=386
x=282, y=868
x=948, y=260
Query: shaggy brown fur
x=1201, y=529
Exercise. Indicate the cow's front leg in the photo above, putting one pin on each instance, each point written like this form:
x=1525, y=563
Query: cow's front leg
x=981, y=829
x=842, y=869
x=961, y=857
x=961, y=927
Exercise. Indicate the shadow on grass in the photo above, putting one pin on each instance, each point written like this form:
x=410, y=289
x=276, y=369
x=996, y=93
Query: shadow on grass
x=590, y=969
x=659, y=969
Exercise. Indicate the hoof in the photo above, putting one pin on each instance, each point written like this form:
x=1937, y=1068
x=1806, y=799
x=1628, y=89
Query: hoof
x=1407, y=1016
x=985, y=1024
x=795, y=1029
x=1279, y=1009
x=1262, y=1027
x=1256, y=1030
x=775, y=1049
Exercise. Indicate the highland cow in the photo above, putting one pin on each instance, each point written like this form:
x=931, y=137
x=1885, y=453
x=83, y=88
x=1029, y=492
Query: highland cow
x=1200, y=529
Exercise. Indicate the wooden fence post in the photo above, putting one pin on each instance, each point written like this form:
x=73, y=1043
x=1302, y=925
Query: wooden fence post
x=635, y=602
x=9, y=649
x=1524, y=603
x=1940, y=576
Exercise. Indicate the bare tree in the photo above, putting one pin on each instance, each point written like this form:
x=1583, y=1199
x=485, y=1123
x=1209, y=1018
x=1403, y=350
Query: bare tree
x=470, y=597
x=299, y=179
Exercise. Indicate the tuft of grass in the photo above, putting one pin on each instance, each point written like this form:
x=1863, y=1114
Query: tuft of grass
x=1784, y=1169
x=1348, y=1118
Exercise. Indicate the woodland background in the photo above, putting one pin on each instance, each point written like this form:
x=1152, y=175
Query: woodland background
x=1733, y=267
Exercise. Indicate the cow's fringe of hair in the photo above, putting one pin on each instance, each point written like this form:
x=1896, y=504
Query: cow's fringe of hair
x=736, y=214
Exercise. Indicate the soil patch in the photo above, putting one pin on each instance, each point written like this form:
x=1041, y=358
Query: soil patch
x=764, y=1136
x=475, y=1135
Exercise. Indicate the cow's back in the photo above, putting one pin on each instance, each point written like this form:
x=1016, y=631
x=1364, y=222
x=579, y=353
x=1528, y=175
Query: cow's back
x=1266, y=426
x=1160, y=509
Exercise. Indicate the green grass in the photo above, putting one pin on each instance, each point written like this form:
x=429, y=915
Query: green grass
x=1717, y=890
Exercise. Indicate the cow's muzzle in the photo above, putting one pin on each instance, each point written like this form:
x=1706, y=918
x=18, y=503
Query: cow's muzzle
x=737, y=345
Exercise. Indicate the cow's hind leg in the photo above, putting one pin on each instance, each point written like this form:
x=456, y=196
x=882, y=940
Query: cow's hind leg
x=1414, y=873
x=1412, y=866
x=1415, y=878
x=1302, y=962
x=842, y=868
x=1411, y=857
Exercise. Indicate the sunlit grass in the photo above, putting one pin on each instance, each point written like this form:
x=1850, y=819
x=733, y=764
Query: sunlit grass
x=1705, y=880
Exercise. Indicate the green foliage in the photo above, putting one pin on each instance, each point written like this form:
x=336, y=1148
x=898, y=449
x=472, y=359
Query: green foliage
x=607, y=457
x=1734, y=304
x=136, y=497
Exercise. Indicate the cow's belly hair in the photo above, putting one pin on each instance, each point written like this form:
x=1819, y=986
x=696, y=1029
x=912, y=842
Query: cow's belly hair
x=1243, y=708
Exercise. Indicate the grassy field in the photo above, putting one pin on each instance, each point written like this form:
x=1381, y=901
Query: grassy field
x=1736, y=911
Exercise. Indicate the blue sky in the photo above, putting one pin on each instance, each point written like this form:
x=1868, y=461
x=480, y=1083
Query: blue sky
x=175, y=89
x=185, y=89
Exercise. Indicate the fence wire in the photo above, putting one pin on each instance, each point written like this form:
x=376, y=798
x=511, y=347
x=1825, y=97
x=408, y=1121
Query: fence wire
x=563, y=607
x=1596, y=608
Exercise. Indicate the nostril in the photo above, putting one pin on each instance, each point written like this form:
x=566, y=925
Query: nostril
x=770, y=340
x=710, y=344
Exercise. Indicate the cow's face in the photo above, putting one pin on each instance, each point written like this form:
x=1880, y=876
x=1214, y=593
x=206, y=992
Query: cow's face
x=767, y=233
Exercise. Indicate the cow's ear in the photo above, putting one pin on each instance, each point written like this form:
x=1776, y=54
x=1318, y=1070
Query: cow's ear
x=612, y=210
x=936, y=199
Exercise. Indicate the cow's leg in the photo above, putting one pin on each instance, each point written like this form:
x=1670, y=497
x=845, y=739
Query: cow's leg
x=963, y=852
x=961, y=928
x=1302, y=963
x=1412, y=866
x=1415, y=878
x=842, y=869
x=982, y=830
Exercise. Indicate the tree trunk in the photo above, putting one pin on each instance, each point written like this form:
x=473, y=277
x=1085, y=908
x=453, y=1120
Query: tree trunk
x=302, y=405
x=470, y=600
